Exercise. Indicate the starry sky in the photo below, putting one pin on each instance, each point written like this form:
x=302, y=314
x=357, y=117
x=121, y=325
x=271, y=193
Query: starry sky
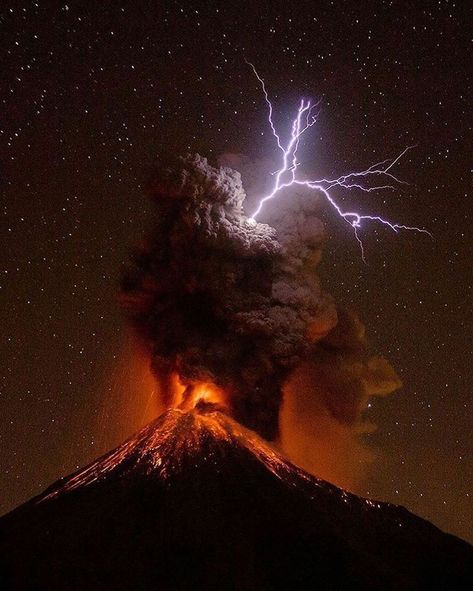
x=94, y=93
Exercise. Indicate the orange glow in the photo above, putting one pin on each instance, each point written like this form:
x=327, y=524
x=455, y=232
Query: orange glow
x=132, y=395
x=188, y=396
x=129, y=397
x=315, y=441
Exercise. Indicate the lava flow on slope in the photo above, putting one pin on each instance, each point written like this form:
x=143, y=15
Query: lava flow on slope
x=195, y=501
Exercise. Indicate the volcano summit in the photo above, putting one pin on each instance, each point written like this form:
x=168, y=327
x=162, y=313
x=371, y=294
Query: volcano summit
x=195, y=501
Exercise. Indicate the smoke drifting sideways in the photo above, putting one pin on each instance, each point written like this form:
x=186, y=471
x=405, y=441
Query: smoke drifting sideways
x=223, y=301
x=322, y=426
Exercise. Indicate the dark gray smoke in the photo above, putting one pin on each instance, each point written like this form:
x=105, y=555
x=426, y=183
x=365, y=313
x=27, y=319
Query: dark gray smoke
x=225, y=300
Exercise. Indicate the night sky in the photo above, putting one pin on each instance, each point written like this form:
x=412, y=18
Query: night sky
x=93, y=94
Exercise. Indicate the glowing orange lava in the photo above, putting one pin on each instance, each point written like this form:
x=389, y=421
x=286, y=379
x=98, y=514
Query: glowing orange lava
x=187, y=397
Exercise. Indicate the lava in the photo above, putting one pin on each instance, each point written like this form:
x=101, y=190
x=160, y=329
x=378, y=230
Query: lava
x=196, y=501
x=201, y=393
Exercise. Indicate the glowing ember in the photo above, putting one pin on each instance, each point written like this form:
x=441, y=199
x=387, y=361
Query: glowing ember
x=197, y=394
x=189, y=396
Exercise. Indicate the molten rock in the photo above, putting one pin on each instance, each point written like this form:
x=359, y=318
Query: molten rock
x=195, y=501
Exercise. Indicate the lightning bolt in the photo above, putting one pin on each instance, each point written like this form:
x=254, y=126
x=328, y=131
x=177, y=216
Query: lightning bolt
x=286, y=176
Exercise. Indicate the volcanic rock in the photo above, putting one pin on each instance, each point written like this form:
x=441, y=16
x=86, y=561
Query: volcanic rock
x=195, y=501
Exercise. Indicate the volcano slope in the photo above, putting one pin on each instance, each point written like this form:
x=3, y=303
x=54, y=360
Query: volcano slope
x=195, y=501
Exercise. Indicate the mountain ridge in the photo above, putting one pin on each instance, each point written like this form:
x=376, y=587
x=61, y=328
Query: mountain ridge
x=195, y=501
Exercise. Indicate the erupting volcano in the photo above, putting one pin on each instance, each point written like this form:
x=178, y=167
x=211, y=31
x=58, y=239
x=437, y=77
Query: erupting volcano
x=223, y=300
x=238, y=330
x=195, y=501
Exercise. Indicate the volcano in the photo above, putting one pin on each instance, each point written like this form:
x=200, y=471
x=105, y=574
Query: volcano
x=195, y=501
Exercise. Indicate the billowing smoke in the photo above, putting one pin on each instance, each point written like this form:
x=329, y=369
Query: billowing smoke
x=223, y=300
x=321, y=422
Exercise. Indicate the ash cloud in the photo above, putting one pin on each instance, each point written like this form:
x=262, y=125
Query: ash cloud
x=322, y=424
x=221, y=299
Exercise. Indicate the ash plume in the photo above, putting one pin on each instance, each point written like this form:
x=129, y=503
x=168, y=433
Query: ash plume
x=224, y=300
x=322, y=423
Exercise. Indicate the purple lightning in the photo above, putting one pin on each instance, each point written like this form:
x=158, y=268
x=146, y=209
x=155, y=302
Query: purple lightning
x=286, y=175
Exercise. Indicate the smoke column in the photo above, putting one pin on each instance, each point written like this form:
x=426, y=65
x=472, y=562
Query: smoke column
x=235, y=307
